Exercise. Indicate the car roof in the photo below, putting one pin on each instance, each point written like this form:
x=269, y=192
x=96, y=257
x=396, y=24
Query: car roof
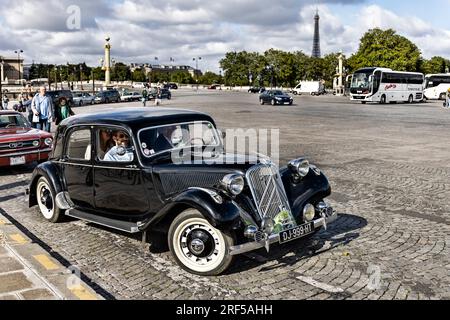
x=9, y=112
x=137, y=117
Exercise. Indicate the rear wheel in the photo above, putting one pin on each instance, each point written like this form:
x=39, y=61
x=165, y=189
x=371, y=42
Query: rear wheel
x=411, y=99
x=197, y=246
x=106, y=100
x=46, y=195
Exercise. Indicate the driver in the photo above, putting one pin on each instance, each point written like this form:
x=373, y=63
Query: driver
x=164, y=140
x=120, y=152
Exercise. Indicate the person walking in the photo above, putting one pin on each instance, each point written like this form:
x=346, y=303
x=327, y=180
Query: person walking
x=447, y=99
x=43, y=110
x=5, y=102
x=158, y=96
x=62, y=111
x=144, y=97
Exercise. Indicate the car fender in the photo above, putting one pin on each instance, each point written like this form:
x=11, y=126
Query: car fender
x=311, y=189
x=51, y=172
x=220, y=211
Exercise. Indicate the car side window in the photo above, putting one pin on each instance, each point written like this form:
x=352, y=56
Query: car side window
x=79, y=145
x=114, y=146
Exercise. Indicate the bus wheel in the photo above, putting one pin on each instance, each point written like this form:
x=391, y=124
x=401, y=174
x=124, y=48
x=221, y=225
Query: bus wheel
x=442, y=96
x=383, y=99
x=411, y=99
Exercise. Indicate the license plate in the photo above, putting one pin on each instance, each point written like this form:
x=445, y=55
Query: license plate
x=297, y=232
x=17, y=161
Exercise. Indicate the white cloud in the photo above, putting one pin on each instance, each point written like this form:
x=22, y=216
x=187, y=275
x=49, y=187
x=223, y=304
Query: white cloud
x=141, y=30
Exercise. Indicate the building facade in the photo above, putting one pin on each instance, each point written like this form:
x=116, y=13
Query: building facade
x=10, y=68
x=149, y=68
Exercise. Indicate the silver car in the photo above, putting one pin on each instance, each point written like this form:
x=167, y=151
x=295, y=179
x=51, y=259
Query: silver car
x=83, y=98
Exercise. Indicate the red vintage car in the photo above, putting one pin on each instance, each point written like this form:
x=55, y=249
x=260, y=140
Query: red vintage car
x=19, y=142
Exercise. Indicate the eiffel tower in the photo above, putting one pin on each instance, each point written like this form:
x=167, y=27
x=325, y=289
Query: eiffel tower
x=316, y=41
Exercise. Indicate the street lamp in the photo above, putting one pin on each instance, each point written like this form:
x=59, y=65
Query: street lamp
x=196, y=69
x=18, y=52
x=2, y=63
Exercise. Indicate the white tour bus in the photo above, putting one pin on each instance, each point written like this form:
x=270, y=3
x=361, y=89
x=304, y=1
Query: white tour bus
x=384, y=85
x=436, y=86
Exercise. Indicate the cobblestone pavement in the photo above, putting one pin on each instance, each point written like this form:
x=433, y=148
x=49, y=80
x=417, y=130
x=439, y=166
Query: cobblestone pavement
x=389, y=170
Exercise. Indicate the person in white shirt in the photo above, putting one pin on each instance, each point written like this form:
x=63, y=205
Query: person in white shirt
x=120, y=152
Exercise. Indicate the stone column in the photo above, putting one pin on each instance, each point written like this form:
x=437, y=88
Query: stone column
x=340, y=86
x=107, y=62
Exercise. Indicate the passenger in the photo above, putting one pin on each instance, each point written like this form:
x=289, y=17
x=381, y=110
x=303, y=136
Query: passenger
x=106, y=143
x=120, y=151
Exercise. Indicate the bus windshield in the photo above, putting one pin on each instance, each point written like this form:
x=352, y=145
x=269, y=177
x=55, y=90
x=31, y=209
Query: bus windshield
x=360, y=80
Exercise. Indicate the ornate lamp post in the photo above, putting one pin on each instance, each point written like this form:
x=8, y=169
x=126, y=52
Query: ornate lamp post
x=196, y=59
x=18, y=52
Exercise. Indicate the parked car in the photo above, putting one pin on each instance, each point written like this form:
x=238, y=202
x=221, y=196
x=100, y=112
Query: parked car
x=19, y=142
x=215, y=87
x=107, y=96
x=58, y=94
x=211, y=210
x=256, y=90
x=130, y=96
x=165, y=94
x=138, y=85
x=171, y=86
x=83, y=98
x=275, y=97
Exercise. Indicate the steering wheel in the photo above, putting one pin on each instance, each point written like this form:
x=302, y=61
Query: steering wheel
x=197, y=138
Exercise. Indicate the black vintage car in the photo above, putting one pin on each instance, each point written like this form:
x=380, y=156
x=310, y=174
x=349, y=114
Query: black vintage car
x=167, y=170
x=275, y=97
x=256, y=90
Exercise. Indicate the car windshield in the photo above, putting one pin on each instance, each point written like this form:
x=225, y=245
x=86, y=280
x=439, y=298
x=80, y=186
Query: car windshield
x=278, y=93
x=12, y=121
x=176, y=136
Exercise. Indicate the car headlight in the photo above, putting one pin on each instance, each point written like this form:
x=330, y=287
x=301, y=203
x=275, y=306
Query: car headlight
x=278, y=98
x=233, y=183
x=299, y=167
x=36, y=143
x=48, y=141
x=309, y=212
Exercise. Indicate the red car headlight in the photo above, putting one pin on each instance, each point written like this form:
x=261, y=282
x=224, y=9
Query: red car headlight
x=48, y=142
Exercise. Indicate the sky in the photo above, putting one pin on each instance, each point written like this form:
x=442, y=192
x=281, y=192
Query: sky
x=61, y=31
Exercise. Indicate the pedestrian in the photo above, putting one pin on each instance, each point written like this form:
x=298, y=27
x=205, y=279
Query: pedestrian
x=158, y=96
x=5, y=102
x=144, y=97
x=27, y=106
x=447, y=99
x=62, y=110
x=43, y=110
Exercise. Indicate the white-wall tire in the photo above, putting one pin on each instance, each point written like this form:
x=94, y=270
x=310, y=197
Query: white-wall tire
x=45, y=194
x=213, y=259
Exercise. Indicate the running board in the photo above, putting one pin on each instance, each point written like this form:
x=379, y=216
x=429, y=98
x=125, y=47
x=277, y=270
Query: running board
x=126, y=226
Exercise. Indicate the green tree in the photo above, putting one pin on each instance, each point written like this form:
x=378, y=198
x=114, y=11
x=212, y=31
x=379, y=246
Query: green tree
x=120, y=72
x=209, y=78
x=139, y=75
x=385, y=48
x=435, y=65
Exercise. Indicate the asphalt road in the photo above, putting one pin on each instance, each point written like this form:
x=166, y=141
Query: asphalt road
x=389, y=170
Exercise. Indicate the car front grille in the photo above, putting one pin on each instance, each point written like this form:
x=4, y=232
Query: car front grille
x=10, y=146
x=267, y=190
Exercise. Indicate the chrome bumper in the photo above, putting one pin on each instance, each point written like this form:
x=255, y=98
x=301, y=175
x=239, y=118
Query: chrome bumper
x=251, y=246
x=24, y=153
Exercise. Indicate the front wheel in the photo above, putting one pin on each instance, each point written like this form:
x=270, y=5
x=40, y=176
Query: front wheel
x=197, y=246
x=383, y=99
x=46, y=195
x=411, y=99
x=442, y=96
x=273, y=102
x=261, y=101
